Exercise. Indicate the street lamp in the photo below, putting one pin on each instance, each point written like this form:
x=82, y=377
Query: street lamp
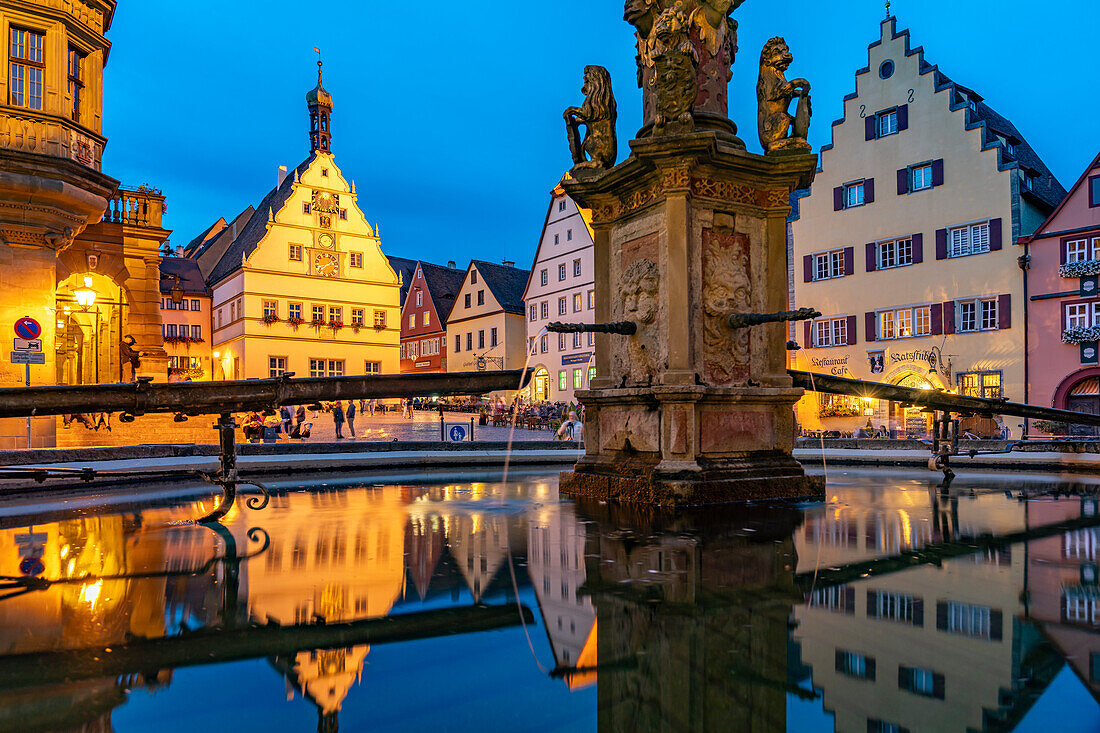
x=85, y=296
x=176, y=291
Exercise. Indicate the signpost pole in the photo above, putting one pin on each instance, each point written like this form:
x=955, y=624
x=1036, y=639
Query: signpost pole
x=28, y=368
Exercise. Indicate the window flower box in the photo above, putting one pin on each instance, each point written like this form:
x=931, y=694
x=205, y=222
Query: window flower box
x=1081, y=334
x=1081, y=268
x=318, y=322
x=838, y=410
x=270, y=318
x=294, y=322
x=335, y=325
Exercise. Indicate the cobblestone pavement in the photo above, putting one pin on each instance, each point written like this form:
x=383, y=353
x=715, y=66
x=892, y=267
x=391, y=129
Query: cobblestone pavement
x=423, y=426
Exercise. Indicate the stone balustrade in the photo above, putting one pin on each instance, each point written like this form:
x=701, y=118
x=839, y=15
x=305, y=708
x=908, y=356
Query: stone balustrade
x=143, y=207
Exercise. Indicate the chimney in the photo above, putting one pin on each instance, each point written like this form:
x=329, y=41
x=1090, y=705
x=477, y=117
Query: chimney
x=508, y=263
x=282, y=175
x=451, y=264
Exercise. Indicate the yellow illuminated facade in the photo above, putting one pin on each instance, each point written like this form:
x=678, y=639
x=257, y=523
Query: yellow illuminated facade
x=304, y=286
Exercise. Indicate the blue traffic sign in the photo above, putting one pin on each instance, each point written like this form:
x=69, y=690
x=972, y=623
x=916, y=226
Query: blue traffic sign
x=31, y=566
x=457, y=433
x=27, y=328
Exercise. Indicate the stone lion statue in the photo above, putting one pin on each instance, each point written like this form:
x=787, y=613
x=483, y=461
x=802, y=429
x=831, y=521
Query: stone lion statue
x=639, y=289
x=774, y=95
x=598, y=115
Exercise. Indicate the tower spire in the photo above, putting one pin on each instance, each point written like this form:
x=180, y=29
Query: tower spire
x=319, y=102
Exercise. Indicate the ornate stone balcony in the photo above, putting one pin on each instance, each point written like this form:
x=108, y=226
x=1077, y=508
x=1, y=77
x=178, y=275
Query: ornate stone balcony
x=142, y=206
x=46, y=134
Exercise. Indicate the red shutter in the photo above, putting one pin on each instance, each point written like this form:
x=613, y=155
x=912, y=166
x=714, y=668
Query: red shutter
x=903, y=181
x=851, y=323
x=941, y=244
x=937, y=319
x=869, y=191
x=949, y=317
x=838, y=198
x=849, y=261
x=1004, y=311
x=808, y=268
x=808, y=334
x=994, y=234
x=869, y=127
x=869, y=321
x=937, y=172
x=872, y=261
x=918, y=249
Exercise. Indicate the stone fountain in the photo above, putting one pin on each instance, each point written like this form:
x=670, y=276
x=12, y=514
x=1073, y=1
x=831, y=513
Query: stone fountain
x=691, y=406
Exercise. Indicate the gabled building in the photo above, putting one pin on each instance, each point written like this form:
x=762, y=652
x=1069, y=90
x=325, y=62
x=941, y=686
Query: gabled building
x=303, y=285
x=485, y=326
x=905, y=243
x=561, y=288
x=431, y=295
x=1063, y=318
x=185, y=315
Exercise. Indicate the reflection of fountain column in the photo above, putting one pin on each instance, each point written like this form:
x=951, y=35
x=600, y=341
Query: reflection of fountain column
x=692, y=625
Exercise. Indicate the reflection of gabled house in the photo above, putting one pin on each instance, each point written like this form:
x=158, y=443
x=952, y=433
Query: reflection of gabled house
x=555, y=564
x=479, y=545
x=927, y=648
x=423, y=549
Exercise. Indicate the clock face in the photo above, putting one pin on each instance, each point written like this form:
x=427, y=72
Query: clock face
x=326, y=265
x=326, y=241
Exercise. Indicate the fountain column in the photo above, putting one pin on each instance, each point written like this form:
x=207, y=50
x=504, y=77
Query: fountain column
x=689, y=229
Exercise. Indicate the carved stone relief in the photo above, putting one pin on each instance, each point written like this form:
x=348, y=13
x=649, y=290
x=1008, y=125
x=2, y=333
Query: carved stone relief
x=726, y=290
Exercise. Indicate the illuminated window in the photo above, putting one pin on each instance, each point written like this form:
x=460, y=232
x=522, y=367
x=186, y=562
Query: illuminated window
x=563, y=380
x=419, y=297
x=577, y=302
x=591, y=299
x=26, y=69
x=980, y=384
x=533, y=312
x=591, y=374
x=578, y=378
x=426, y=319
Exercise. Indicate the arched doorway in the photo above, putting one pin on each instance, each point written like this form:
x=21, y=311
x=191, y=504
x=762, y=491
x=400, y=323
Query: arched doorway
x=1084, y=396
x=911, y=422
x=89, y=330
x=542, y=385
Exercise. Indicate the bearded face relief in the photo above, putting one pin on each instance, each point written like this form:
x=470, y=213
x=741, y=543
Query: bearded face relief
x=640, y=288
x=726, y=290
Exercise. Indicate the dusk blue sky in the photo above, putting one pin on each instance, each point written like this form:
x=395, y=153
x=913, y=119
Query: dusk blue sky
x=448, y=115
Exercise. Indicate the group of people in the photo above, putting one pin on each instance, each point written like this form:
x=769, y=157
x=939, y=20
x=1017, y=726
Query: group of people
x=90, y=420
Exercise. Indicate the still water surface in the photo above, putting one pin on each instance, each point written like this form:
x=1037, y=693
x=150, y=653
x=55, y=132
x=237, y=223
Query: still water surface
x=893, y=606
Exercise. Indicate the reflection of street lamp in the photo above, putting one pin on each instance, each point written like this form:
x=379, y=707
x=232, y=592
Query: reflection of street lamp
x=85, y=296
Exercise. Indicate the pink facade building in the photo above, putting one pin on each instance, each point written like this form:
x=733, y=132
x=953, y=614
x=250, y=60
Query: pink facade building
x=1063, y=318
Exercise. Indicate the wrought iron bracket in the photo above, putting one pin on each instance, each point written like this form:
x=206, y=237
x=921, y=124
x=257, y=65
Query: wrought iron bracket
x=227, y=476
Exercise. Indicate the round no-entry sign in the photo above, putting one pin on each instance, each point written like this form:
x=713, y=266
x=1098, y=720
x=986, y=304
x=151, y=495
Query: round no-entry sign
x=31, y=566
x=27, y=328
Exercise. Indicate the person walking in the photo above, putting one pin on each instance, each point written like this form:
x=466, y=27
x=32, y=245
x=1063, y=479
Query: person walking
x=338, y=418
x=371, y=405
x=350, y=414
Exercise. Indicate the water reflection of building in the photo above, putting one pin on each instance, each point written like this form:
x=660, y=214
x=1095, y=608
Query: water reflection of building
x=936, y=647
x=1063, y=596
x=334, y=556
x=692, y=619
x=556, y=566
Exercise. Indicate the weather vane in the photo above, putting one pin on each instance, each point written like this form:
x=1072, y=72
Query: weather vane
x=887, y=12
x=319, y=63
